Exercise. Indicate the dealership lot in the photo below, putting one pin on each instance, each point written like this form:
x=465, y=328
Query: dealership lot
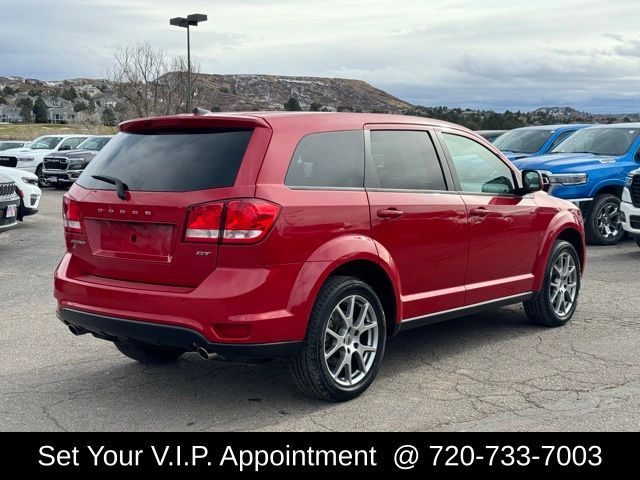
x=491, y=371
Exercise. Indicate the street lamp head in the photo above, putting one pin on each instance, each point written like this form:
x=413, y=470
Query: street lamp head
x=179, y=22
x=195, y=18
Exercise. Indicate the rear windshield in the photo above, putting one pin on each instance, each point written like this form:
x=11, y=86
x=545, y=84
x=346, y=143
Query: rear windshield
x=170, y=161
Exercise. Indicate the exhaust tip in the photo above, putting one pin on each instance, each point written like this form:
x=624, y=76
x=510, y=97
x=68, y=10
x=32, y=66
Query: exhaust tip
x=75, y=330
x=203, y=353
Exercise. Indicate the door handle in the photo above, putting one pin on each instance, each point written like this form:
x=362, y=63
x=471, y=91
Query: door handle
x=484, y=212
x=479, y=212
x=390, y=213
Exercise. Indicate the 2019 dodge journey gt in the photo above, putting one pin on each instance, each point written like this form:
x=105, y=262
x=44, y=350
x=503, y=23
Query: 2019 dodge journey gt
x=313, y=236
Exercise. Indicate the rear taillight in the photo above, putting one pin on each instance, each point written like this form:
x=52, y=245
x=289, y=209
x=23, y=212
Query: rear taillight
x=248, y=221
x=245, y=221
x=71, y=215
x=203, y=224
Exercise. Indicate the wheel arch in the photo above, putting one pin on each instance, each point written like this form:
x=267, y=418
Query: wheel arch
x=563, y=227
x=359, y=257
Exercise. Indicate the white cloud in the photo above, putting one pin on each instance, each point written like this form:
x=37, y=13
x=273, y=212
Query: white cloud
x=490, y=54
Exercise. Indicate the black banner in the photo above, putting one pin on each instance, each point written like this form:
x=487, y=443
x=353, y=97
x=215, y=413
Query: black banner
x=241, y=454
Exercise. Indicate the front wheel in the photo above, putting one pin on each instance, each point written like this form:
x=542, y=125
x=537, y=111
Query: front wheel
x=345, y=341
x=42, y=181
x=637, y=239
x=604, y=222
x=555, y=303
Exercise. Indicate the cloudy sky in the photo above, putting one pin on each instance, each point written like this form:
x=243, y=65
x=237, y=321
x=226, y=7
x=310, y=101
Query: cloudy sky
x=517, y=54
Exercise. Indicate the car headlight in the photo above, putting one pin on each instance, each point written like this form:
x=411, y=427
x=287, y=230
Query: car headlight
x=75, y=165
x=31, y=181
x=25, y=159
x=629, y=179
x=568, y=178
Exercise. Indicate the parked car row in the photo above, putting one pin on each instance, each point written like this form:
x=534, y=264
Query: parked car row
x=54, y=160
x=585, y=164
x=31, y=158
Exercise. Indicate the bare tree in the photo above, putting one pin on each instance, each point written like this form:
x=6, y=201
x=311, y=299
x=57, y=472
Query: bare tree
x=149, y=82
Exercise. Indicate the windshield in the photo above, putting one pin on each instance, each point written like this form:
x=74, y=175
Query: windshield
x=523, y=141
x=94, y=143
x=599, y=141
x=45, y=143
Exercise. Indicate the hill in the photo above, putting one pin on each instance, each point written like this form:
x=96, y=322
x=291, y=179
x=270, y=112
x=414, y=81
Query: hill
x=96, y=101
x=270, y=92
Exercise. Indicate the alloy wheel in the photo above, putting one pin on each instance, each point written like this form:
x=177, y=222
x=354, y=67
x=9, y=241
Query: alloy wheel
x=563, y=287
x=351, y=340
x=608, y=221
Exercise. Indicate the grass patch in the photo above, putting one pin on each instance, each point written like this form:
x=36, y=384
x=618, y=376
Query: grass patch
x=31, y=131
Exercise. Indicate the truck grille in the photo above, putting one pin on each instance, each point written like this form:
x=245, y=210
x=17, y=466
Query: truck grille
x=6, y=161
x=635, y=190
x=7, y=189
x=56, y=163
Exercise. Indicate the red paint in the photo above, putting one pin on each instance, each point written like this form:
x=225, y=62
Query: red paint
x=440, y=250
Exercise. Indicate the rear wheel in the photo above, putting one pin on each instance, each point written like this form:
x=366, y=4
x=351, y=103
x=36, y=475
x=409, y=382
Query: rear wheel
x=345, y=341
x=556, y=302
x=604, y=223
x=147, y=353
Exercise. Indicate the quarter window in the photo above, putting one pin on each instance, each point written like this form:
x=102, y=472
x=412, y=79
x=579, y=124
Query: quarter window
x=479, y=169
x=331, y=159
x=406, y=160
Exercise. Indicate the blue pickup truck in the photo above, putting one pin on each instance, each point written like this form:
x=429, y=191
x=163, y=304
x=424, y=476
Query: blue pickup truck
x=589, y=169
x=534, y=141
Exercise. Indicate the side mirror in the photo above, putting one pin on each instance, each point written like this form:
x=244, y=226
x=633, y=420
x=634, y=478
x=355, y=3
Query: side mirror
x=64, y=147
x=636, y=157
x=532, y=181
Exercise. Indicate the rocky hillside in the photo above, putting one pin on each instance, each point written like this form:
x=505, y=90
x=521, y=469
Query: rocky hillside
x=95, y=101
x=271, y=92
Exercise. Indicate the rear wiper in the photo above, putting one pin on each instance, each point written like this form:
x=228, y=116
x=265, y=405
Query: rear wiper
x=121, y=187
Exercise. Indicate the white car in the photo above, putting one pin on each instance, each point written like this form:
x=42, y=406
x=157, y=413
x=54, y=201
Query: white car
x=27, y=189
x=630, y=206
x=30, y=158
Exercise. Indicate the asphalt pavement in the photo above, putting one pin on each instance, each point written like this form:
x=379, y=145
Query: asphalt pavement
x=492, y=371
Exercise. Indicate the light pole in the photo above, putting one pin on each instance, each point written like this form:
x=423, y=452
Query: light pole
x=190, y=21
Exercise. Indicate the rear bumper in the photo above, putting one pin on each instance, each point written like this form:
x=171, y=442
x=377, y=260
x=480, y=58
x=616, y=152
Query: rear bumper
x=111, y=328
x=234, y=306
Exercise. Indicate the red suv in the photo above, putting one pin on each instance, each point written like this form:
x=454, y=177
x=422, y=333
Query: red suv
x=314, y=236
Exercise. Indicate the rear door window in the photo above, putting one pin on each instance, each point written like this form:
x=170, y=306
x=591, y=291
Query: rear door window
x=406, y=160
x=176, y=161
x=330, y=159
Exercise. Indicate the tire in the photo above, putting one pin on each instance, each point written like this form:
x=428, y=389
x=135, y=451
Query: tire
x=599, y=222
x=637, y=239
x=146, y=353
x=311, y=372
x=540, y=309
x=42, y=183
